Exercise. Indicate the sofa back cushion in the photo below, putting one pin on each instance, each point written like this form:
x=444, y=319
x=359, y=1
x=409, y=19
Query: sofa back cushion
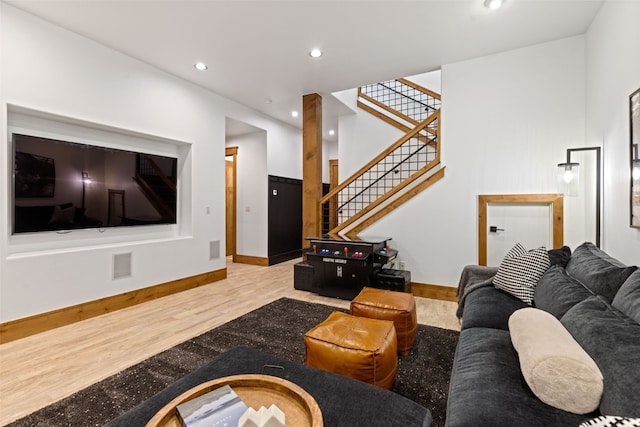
x=556, y=292
x=612, y=339
x=627, y=299
x=598, y=271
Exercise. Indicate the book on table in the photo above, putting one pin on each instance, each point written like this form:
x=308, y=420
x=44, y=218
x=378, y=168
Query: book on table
x=218, y=408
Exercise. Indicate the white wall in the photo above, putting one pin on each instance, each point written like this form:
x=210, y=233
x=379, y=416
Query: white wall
x=371, y=135
x=506, y=121
x=252, y=186
x=613, y=73
x=362, y=136
x=329, y=152
x=279, y=153
x=431, y=80
x=46, y=68
x=52, y=70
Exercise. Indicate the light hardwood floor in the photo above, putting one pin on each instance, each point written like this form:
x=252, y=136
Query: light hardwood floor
x=39, y=370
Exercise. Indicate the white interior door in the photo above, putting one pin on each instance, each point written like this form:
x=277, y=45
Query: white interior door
x=528, y=223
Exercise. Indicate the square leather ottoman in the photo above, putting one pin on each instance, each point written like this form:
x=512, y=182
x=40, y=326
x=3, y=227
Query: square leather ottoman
x=398, y=307
x=357, y=347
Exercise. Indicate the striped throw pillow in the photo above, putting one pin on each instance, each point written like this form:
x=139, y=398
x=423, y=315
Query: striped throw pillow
x=520, y=271
x=611, y=421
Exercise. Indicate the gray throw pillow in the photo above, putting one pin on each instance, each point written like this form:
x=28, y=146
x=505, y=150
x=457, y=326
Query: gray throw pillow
x=556, y=291
x=612, y=339
x=598, y=271
x=560, y=256
x=627, y=299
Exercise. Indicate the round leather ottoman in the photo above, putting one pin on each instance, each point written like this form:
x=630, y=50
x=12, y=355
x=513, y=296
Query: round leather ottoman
x=399, y=307
x=357, y=347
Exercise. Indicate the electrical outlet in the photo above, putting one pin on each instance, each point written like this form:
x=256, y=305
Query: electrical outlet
x=402, y=265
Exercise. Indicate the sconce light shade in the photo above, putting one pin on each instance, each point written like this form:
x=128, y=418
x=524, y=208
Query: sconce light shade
x=569, y=178
x=635, y=171
x=86, y=178
x=493, y=4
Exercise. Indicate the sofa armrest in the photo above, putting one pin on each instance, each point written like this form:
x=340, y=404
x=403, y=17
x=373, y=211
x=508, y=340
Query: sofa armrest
x=473, y=277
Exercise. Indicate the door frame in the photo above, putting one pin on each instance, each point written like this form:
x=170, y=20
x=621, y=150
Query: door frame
x=556, y=201
x=333, y=202
x=233, y=153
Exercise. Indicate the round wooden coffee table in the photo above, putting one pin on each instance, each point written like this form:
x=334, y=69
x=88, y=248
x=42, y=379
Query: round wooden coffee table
x=299, y=407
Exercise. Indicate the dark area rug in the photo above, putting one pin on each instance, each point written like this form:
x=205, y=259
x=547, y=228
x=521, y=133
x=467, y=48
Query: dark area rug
x=276, y=328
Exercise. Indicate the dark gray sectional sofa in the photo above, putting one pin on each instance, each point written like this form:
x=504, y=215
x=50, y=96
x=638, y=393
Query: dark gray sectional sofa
x=595, y=297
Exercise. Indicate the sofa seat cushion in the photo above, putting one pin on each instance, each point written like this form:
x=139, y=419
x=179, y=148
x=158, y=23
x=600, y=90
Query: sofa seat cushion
x=487, y=388
x=553, y=364
x=627, y=299
x=557, y=292
x=598, y=271
x=489, y=307
x=612, y=339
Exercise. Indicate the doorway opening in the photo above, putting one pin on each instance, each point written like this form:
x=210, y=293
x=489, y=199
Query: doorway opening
x=555, y=203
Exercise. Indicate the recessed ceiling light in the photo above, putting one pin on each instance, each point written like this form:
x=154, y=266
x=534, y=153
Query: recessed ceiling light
x=315, y=53
x=294, y=113
x=493, y=4
x=200, y=66
x=332, y=132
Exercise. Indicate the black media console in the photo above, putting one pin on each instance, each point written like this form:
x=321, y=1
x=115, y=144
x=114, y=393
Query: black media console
x=341, y=268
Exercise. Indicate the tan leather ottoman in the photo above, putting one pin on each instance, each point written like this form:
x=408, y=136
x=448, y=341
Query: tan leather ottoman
x=357, y=347
x=399, y=307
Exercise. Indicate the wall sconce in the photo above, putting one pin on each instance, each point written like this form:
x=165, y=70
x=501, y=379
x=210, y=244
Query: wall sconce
x=568, y=180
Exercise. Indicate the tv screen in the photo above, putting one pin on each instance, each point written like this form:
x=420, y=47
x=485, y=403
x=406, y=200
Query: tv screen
x=62, y=185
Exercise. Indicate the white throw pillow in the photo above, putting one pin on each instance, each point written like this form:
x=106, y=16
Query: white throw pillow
x=556, y=368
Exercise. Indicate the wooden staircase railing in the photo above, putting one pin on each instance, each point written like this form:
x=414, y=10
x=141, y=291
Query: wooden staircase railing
x=373, y=214
x=400, y=102
x=389, y=173
x=401, y=171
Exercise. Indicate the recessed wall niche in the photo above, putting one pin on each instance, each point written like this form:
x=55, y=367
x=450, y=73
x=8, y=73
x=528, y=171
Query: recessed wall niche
x=83, y=164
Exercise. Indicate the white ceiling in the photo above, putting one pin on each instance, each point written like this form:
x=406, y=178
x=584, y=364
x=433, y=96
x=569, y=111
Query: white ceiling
x=258, y=50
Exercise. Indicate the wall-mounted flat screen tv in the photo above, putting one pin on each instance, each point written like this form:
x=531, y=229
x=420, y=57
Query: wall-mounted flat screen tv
x=62, y=185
